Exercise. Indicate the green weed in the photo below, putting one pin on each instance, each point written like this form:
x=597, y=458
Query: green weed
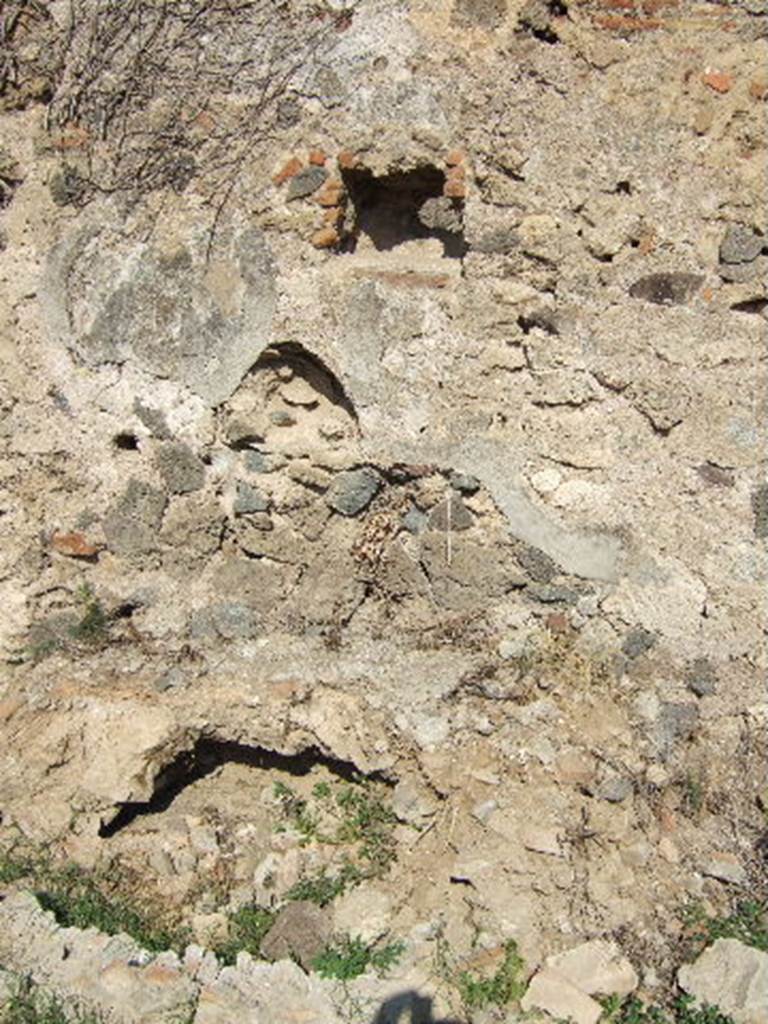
x=352, y=815
x=503, y=987
x=93, y=626
x=83, y=900
x=617, y=1010
x=369, y=822
x=323, y=888
x=350, y=957
x=92, y=629
x=77, y=901
x=693, y=794
x=247, y=928
x=14, y=866
x=748, y=922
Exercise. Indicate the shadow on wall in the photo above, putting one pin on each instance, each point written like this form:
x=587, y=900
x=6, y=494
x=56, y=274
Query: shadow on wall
x=409, y=1008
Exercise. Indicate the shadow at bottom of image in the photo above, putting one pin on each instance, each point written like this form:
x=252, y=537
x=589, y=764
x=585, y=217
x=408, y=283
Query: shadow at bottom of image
x=409, y=1008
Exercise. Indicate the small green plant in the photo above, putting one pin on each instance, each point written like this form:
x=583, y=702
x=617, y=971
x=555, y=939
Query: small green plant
x=368, y=821
x=247, y=928
x=28, y=1004
x=297, y=812
x=37, y=650
x=503, y=987
x=747, y=922
x=83, y=899
x=77, y=901
x=631, y=1010
x=323, y=888
x=352, y=815
x=14, y=866
x=93, y=626
x=693, y=794
x=350, y=957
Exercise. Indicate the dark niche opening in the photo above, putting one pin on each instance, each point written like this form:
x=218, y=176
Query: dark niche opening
x=206, y=756
x=308, y=367
x=404, y=206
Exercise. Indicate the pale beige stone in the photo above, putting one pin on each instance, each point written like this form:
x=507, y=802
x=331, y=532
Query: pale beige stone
x=733, y=977
x=561, y=999
x=597, y=968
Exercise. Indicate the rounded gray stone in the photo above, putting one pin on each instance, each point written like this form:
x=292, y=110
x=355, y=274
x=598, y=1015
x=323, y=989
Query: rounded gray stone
x=306, y=182
x=741, y=244
x=353, y=490
x=249, y=499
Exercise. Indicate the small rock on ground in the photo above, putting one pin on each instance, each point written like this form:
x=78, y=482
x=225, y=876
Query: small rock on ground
x=596, y=967
x=551, y=992
x=300, y=932
x=353, y=490
x=732, y=976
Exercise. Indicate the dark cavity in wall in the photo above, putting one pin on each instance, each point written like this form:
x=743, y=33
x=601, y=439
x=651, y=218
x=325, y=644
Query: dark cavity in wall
x=304, y=364
x=126, y=442
x=404, y=206
x=206, y=756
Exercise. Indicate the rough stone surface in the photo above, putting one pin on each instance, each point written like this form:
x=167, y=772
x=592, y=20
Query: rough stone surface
x=637, y=642
x=450, y=514
x=249, y=499
x=676, y=724
x=597, y=968
x=666, y=288
x=532, y=267
x=731, y=976
x=170, y=313
x=352, y=492
x=741, y=244
x=561, y=999
x=114, y=977
x=760, y=510
x=701, y=677
x=131, y=524
x=301, y=931
x=180, y=468
x=306, y=182
x=726, y=867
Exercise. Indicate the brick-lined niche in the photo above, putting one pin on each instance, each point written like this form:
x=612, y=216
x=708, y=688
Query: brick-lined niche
x=403, y=206
x=383, y=211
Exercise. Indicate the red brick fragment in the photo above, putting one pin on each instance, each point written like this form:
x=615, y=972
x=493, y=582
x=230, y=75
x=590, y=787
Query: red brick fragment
x=720, y=81
x=455, y=157
x=758, y=88
x=347, y=159
x=325, y=238
x=455, y=189
x=330, y=197
x=73, y=136
x=557, y=622
x=317, y=157
x=74, y=544
x=288, y=171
